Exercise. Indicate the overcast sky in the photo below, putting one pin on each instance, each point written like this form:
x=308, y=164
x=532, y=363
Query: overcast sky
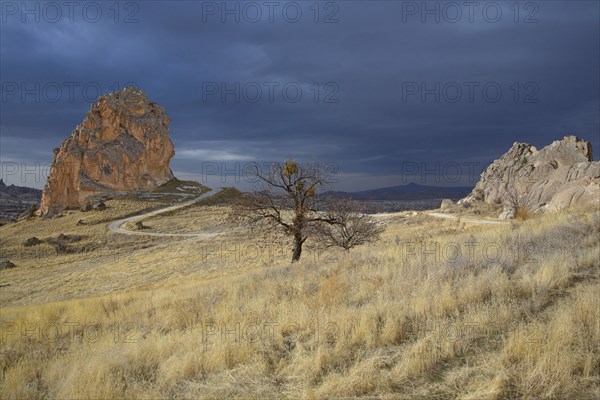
x=383, y=90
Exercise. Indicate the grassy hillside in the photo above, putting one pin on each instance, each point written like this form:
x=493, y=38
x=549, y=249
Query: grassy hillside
x=437, y=309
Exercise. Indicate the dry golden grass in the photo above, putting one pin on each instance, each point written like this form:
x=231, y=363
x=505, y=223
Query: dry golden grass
x=437, y=309
x=479, y=209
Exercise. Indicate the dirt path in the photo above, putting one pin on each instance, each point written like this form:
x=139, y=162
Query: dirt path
x=469, y=220
x=117, y=226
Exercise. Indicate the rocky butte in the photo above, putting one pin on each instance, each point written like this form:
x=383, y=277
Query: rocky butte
x=561, y=175
x=122, y=146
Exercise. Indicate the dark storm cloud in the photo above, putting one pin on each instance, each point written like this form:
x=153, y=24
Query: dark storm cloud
x=365, y=65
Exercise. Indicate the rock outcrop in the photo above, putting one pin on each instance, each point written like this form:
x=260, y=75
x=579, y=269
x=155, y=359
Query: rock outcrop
x=446, y=204
x=556, y=177
x=122, y=146
x=7, y=265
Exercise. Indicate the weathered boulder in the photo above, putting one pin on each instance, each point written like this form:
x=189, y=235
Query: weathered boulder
x=561, y=175
x=447, y=204
x=509, y=212
x=7, y=265
x=32, y=241
x=122, y=146
x=29, y=213
x=67, y=238
x=139, y=226
x=582, y=191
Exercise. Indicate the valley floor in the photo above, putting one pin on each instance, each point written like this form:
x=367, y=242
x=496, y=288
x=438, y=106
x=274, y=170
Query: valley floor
x=439, y=309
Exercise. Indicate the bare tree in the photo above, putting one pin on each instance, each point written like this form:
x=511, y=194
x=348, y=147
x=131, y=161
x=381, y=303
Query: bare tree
x=352, y=227
x=287, y=198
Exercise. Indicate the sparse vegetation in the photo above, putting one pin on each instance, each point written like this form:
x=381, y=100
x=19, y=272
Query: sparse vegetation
x=351, y=225
x=516, y=315
x=227, y=196
x=290, y=199
x=170, y=192
x=175, y=185
x=287, y=199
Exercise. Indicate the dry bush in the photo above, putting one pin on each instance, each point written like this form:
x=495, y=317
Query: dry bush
x=519, y=198
x=350, y=225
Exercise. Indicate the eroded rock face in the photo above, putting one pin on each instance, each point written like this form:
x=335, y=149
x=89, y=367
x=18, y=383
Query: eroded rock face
x=122, y=146
x=561, y=175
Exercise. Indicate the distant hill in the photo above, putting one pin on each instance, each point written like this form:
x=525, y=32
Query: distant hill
x=411, y=191
x=12, y=190
x=14, y=200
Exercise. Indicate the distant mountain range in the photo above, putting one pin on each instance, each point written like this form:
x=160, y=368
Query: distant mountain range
x=14, y=200
x=18, y=191
x=411, y=191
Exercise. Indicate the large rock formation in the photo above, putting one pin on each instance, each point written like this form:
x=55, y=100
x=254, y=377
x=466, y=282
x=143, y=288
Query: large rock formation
x=558, y=176
x=122, y=146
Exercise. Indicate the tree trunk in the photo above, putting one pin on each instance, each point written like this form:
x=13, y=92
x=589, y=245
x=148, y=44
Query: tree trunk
x=298, y=242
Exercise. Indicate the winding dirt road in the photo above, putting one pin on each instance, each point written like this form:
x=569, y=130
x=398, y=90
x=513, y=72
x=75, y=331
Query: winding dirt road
x=469, y=220
x=117, y=226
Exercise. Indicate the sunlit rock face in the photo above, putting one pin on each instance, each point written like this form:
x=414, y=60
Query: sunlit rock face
x=121, y=146
x=561, y=175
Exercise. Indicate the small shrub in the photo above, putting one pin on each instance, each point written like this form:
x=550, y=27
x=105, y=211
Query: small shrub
x=523, y=213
